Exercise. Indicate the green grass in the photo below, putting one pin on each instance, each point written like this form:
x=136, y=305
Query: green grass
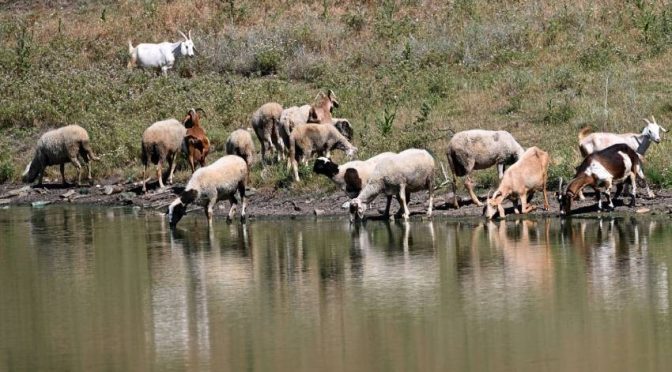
x=407, y=73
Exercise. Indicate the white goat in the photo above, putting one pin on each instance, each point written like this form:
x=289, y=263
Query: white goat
x=162, y=55
x=593, y=142
x=398, y=175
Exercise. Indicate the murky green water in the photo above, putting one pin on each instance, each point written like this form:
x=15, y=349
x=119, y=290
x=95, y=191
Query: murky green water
x=113, y=289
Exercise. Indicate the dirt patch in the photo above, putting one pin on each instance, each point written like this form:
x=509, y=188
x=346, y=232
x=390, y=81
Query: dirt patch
x=268, y=202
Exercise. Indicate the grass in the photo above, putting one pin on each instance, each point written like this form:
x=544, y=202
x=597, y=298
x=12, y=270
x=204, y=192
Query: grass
x=407, y=73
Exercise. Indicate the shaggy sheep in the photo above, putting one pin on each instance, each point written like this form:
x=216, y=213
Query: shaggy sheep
x=361, y=170
x=160, y=142
x=208, y=185
x=196, y=143
x=240, y=143
x=60, y=146
x=480, y=149
x=319, y=138
x=265, y=122
x=398, y=175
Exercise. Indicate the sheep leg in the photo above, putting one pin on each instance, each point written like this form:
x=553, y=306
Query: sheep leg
x=470, y=186
x=387, y=208
x=173, y=163
x=431, y=198
x=232, y=210
x=295, y=169
x=77, y=165
x=63, y=174
x=164, y=70
x=144, y=179
x=402, y=198
x=209, y=210
x=500, y=170
x=243, y=201
x=159, y=172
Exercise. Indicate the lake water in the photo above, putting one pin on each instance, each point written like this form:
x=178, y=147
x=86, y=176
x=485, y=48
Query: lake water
x=84, y=289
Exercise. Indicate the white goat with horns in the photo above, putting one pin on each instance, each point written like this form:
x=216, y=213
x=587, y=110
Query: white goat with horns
x=162, y=55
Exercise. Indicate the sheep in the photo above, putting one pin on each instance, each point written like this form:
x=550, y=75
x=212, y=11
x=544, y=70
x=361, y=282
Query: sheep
x=196, y=143
x=399, y=175
x=600, y=170
x=60, y=146
x=521, y=180
x=361, y=170
x=480, y=149
x=265, y=122
x=161, y=141
x=162, y=55
x=309, y=138
x=591, y=142
x=289, y=119
x=208, y=185
x=240, y=143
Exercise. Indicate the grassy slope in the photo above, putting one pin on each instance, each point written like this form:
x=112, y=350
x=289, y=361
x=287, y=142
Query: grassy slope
x=404, y=71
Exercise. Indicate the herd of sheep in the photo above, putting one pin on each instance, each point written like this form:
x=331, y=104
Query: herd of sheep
x=299, y=132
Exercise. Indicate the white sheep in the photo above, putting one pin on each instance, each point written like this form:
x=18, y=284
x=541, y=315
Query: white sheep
x=361, y=171
x=240, y=143
x=265, y=122
x=161, y=55
x=289, y=119
x=480, y=149
x=210, y=184
x=60, y=146
x=399, y=175
x=319, y=138
x=162, y=141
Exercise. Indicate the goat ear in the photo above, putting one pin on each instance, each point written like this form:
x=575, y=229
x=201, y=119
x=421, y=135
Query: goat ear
x=202, y=112
x=183, y=35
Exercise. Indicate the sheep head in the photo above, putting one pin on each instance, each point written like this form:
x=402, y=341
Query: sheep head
x=178, y=208
x=357, y=209
x=345, y=128
x=326, y=167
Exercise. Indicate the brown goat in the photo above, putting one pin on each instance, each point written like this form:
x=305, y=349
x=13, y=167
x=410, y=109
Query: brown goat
x=600, y=170
x=321, y=109
x=197, y=144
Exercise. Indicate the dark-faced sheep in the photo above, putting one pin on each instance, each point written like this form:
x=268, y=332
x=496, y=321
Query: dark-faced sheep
x=57, y=147
x=480, y=149
x=208, y=185
x=160, y=142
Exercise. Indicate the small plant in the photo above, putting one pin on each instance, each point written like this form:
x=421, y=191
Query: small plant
x=386, y=122
x=419, y=134
x=355, y=21
x=558, y=113
x=267, y=61
x=6, y=167
x=23, y=50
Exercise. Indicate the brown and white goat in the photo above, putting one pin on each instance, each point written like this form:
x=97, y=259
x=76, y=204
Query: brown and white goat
x=196, y=142
x=600, y=170
x=521, y=180
x=322, y=108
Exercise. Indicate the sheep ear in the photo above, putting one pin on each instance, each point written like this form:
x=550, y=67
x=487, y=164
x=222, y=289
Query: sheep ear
x=183, y=35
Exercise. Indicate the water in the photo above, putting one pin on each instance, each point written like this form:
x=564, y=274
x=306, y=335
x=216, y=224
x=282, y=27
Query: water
x=85, y=289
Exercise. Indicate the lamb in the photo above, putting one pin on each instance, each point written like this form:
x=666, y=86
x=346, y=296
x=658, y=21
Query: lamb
x=399, y=175
x=361, y=170
x=160, y=142
x=265, y=122
x=601, y=170
x=196, y=143
x=208, y=185
x=60, y=146
x=162, y=55
x=521, y=180
x=592, y=142
x=240, y=143
x=320, y=138
x=480, y=149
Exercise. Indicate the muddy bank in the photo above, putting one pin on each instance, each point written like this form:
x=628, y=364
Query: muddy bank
x=268, y=202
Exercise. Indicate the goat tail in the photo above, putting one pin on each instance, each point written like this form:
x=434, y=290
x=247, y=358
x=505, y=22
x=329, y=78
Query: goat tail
x=130, y=47
x=584, y=132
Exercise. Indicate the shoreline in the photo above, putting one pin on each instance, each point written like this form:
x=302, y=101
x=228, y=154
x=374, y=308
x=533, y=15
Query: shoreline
x=273, y=203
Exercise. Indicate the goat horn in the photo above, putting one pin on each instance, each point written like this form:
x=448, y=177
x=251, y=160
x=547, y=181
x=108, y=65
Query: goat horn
x=183, y=35
x=654, y=119
x=560, y=185
x=203, y=111
x=488, y=197
x=189, y=34
x=647, y=121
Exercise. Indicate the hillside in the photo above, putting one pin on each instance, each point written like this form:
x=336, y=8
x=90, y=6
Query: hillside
x=406, y=73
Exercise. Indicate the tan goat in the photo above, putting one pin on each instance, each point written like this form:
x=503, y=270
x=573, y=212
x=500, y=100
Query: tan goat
x=521, y=180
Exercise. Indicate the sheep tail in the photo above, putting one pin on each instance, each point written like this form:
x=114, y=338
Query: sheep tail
x=584, y=132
